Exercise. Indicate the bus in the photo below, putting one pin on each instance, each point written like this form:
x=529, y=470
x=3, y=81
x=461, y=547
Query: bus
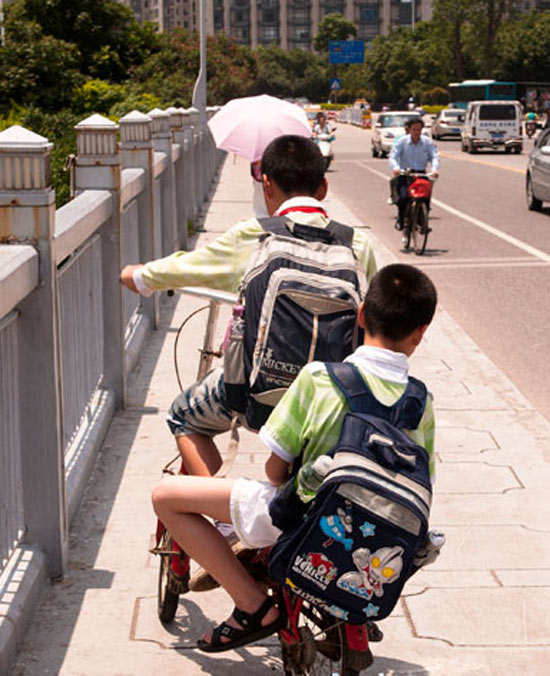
x=461, y=93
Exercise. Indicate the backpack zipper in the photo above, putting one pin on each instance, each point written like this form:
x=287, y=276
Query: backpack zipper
x=372, y=479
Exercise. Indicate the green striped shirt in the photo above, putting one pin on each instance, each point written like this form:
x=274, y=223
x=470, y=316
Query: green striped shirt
x=222, y=263
x=310, y=414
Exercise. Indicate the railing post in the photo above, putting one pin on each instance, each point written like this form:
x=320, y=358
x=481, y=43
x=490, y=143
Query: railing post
x=136, y=147
x=98, y=167
x=27, y=216
x=176, y=126
x=162, y=143
x=191, y=191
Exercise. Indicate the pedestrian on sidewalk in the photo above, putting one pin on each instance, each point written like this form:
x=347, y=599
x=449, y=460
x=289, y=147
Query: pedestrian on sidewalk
x=398, y=307
x=294, y=185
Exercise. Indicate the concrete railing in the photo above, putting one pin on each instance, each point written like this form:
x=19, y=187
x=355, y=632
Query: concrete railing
x=69, y=332
x=351, y=116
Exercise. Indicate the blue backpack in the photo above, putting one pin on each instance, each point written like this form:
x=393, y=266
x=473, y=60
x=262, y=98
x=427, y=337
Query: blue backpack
x=354, y=547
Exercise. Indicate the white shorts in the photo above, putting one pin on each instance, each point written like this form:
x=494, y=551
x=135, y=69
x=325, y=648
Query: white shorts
x=249, y=506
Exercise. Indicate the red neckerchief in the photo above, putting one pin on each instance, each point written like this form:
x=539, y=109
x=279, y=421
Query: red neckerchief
x=307, y=210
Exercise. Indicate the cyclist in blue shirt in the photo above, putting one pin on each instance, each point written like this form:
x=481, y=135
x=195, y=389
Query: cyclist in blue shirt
x=412, y=151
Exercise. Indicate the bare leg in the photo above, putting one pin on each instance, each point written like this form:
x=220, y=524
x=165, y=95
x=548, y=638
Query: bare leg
x=200, y=454
x=179, y=502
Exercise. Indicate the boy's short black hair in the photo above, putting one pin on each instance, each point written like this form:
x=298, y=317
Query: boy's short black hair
x=400, y=298
x=416, y=120
x=295, y=164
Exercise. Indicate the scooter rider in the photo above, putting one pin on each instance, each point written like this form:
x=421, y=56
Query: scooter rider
x=413, y=151
x=321, y=126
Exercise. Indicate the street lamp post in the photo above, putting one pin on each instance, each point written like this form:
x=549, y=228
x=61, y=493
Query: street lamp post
x=199, y=91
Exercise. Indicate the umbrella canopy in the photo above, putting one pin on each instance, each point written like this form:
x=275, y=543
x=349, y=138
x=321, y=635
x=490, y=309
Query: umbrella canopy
x=247, y=126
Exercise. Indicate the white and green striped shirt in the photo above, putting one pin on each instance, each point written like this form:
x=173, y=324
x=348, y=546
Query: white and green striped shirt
x=310, y=414
x=222, y=263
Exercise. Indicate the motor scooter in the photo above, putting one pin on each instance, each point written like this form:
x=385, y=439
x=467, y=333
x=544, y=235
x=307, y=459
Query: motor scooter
x=324, y=141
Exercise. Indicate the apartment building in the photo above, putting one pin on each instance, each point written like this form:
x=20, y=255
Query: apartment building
x=168, y=14
x=291, y=24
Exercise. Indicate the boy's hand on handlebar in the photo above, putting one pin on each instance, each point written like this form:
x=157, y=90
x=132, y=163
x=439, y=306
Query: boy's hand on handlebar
x=127, y=276
x=396, y=172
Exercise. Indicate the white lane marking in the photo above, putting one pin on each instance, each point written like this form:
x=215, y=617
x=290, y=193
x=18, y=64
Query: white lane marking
x=475, y=221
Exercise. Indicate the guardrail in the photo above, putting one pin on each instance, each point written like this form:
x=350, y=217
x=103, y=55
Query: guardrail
x=69, y=332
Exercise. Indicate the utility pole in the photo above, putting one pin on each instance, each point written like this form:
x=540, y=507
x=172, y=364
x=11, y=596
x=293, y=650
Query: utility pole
x=2, y=34
x=199, y=91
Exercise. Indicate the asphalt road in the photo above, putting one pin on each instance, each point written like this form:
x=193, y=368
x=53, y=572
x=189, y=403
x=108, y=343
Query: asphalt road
x=487, y=254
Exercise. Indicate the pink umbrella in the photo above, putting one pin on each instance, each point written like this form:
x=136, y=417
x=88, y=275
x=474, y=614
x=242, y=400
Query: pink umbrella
x=247, y=126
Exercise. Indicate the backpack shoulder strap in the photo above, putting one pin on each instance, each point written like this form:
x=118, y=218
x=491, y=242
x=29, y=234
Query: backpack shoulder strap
x=278, y=225
x=343, y=234
x=404, y=414
x=281, y=225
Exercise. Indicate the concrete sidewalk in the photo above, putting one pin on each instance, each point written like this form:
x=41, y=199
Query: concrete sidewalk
x=480, y=610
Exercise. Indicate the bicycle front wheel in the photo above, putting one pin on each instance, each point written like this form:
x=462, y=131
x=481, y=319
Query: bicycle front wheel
x=420, y=229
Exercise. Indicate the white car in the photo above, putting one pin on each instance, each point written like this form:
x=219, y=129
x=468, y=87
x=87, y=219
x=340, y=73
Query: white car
x=448, y=122
x=388, y=128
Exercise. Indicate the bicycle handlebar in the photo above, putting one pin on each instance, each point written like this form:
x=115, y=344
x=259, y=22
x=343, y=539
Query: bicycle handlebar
x=431, y=175
x=208, y=294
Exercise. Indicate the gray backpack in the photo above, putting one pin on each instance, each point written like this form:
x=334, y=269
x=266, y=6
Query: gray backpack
x=301, y=293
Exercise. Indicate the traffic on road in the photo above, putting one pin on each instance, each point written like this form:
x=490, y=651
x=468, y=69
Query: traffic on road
x=488, y=253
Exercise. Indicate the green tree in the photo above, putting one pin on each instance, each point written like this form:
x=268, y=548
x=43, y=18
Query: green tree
x=333, y=27
x=170, y=73
x=291, y=73
x=36, y=69
x=523, y=47
x=451, y=18
x=108, y=37
x=406, y=62
x=96, y=96
x=487, y=18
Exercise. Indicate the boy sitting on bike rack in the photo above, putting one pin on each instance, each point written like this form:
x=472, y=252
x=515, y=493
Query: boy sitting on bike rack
x=398, y=307
x=413, y=152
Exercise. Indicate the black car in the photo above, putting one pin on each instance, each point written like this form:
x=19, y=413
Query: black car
x=537, y=178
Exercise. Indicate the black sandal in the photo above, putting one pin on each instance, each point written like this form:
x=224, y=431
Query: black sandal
x=251, y=630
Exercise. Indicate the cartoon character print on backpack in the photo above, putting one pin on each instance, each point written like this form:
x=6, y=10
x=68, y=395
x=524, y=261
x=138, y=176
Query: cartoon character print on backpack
x=374, y=570
x=316, y=567
x=338, y=526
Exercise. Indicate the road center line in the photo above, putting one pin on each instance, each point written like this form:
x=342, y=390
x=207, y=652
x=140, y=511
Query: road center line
x=450, y=156
x=474, y=221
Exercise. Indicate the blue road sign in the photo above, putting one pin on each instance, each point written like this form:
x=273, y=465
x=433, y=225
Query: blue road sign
x=335, y=83
x=347, y=51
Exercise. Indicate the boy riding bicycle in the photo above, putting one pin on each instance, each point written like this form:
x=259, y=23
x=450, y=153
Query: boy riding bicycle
x=396, y=312
x=294, y=185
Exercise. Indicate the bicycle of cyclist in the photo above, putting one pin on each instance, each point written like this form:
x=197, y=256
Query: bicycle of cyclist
x=416, y=220
x=411, y=154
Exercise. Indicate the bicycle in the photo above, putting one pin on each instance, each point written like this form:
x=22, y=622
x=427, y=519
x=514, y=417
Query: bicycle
x=312, y=641
x=174, y=569
x=416, y=226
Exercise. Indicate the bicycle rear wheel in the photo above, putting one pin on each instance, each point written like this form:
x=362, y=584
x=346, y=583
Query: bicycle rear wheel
x=420, y=229
x=322, y=649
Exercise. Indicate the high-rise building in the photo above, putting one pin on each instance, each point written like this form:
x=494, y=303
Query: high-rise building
x=291, y=24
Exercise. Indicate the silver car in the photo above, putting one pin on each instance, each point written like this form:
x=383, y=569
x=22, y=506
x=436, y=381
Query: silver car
x=537, y=178
x=448, y=122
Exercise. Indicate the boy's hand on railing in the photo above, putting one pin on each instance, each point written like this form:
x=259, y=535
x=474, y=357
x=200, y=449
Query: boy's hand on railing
x=127, y=276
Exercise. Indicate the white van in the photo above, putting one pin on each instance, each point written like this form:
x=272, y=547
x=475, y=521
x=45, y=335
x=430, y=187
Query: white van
x=492, y=124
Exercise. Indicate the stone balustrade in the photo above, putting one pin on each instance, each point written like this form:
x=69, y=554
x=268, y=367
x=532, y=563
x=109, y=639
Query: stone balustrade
x=69, y=332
